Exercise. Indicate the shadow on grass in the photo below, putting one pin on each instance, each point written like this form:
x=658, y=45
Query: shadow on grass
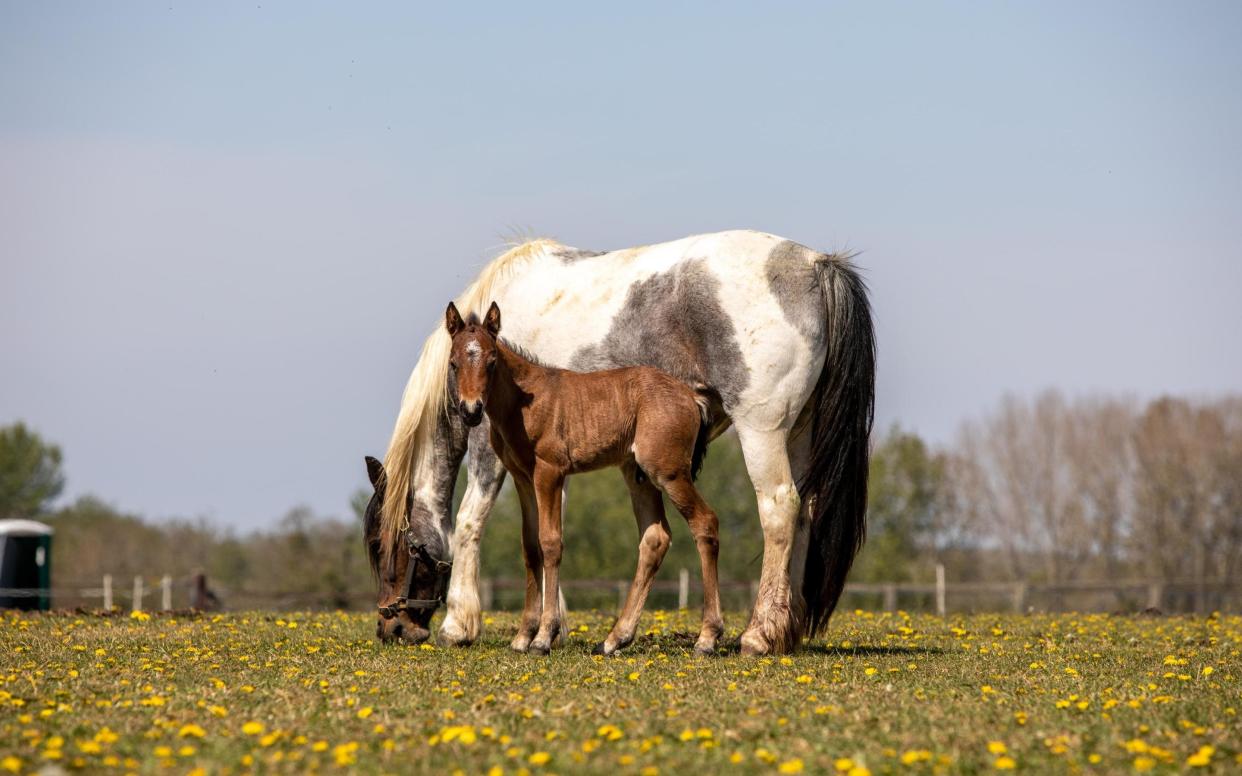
x=670, y=643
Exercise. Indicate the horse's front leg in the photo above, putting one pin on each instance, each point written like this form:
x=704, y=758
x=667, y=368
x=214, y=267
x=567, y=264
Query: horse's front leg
x=464, y=619
x=548, y=482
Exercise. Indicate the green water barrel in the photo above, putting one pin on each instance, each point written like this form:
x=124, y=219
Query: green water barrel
x=25, y=565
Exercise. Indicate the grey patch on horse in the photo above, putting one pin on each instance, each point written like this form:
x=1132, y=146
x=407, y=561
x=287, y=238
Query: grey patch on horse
x=794, y=281
x=433, y=522
x=484, y=467
x=571, y=255
x=674, y=321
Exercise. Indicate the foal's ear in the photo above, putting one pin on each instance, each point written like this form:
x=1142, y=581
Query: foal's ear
x=452, y=320
x=375, y=472
x=492, y=321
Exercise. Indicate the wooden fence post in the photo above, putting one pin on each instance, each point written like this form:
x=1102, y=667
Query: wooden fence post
x=1155, y=595
x=940, y=591
x=683, y=589
x=166, y=593
x=137, y=594
x=487, y=592
x=1019, y=597
x=107, y=593
x=890, y=597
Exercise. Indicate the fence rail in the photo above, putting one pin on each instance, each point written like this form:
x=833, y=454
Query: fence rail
x=940, y=596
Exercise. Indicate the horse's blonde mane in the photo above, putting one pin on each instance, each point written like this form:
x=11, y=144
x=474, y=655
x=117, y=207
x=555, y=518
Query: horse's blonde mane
x=426, y=392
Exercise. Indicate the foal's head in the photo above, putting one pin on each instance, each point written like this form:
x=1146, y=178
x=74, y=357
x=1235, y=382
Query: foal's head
x=472, y=359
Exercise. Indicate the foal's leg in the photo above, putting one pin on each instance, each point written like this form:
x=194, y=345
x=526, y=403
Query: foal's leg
x=706, y=529
x=548, y=482
x=532, y=607
x=653, y=542
x=772, y=627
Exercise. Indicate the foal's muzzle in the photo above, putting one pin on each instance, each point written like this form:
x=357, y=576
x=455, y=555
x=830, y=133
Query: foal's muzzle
x=472, y=414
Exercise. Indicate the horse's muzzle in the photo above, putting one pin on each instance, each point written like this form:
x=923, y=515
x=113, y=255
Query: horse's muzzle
x=401, y=629
x=471, y=414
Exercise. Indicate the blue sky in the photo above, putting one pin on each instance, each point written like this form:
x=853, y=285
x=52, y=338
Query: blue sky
x=226, y=229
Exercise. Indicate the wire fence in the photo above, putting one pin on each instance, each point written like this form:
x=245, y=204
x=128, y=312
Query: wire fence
x=166, y=593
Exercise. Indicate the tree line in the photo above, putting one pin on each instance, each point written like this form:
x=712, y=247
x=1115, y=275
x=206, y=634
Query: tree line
x=1045, y=490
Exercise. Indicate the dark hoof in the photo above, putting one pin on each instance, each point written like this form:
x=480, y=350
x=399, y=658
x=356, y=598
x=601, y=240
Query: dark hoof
x=538, y=648
x=704, y=652
x=599, y=649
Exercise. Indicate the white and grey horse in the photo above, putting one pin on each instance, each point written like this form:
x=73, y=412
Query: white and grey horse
x=779, y=336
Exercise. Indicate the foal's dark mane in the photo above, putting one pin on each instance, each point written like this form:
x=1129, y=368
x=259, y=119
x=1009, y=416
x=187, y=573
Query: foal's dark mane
x=472, y=319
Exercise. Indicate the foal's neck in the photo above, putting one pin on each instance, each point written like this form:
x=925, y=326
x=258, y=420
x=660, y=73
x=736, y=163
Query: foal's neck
x=513, y=384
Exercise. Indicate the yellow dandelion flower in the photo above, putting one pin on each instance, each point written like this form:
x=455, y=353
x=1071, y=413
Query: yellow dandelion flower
x=539, y=758
x=365, y=712
x=790, y=766
x=1201, y=758
x=191, y=731
x=252, y=728
x=1005, y=763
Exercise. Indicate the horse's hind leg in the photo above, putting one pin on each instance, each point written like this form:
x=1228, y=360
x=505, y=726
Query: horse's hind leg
x=532, y=607
x=653, y=542
x=705, y=527
x=772, y=625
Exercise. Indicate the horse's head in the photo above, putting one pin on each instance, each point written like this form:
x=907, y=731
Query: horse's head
x=472, y=359
x=407, y=596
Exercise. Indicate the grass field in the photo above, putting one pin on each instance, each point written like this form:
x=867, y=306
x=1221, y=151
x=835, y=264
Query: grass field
x=880, y=694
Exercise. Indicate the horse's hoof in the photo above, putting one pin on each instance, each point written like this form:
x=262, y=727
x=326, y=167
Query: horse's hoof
x=538, y=648
x=753, y=644
x=453, y=635
x=519, y=645
x=445, y=640
x=600, y=649
x=704, y=651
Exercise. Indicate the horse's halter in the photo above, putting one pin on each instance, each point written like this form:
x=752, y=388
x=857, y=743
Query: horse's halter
x=442, y=569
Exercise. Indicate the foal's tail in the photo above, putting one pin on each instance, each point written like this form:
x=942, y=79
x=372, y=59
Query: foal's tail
x=844, y=405
x=700, y=441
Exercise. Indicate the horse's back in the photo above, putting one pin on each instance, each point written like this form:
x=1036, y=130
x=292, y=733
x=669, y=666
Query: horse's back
x=738, y=314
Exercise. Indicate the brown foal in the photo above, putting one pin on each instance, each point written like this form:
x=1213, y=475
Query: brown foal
x=549, y=423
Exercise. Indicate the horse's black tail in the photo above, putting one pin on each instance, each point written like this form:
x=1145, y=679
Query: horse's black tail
x=700, y=441
x=836, y=478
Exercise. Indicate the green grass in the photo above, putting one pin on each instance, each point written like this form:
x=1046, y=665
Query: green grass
x=888, y=693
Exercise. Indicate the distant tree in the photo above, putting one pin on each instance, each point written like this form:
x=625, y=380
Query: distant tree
x=30, y=476
x=905, y=494
x=358, y=503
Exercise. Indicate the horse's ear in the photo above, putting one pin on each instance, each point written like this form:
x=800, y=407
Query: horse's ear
x=375, y=472
x=452, y=320
x=492, y=321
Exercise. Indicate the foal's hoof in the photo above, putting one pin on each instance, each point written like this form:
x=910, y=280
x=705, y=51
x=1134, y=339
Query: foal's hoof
x=538, y=648
x=705, y=651
x=602, y=649
x=520, y=644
